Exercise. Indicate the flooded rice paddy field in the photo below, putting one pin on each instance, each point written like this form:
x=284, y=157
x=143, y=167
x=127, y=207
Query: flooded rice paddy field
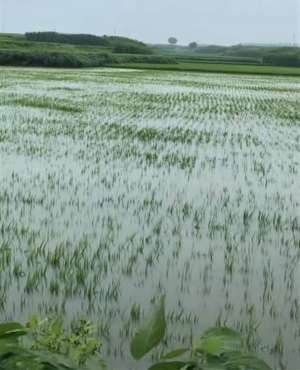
x=117, y=186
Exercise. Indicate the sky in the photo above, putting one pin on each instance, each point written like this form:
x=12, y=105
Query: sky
x=223, y=22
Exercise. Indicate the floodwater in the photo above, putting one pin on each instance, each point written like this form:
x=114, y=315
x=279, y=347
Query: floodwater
x=118, y=186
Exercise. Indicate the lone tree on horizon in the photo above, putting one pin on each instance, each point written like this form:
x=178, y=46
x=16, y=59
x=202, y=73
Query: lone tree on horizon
x=172, y=40
x=193, y=45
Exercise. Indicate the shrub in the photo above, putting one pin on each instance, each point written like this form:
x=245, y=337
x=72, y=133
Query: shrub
x=287, y=60
x=46, y=345
x=54, y=59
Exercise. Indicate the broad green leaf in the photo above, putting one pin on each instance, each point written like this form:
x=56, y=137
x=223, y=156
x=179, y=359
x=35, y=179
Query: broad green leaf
x=212, y=346
x=151, y=334
x=216, y=363
x=11, y=329
x=55, y=361
x=247, y=361
x=57, y=327
x=176, y=365
x=33, y=322
x=96, y=363
x=216, y=341
x=215, y=366
x=176, y=353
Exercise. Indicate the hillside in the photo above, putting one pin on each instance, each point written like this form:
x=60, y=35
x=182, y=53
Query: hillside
x=115, y=43
x=26, y=50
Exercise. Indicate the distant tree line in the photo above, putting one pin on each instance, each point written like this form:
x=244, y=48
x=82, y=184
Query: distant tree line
x=269, y=55
x=288, y=59
x=116, y=43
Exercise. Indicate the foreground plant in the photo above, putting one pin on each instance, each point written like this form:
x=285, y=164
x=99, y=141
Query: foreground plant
x=219, y=348
x=46, y=345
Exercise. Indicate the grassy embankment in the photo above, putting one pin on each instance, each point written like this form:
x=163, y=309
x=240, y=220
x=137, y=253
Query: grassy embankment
x=218, y=68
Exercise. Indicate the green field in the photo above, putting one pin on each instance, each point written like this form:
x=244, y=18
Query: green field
x=218, y=68
x=118, y=186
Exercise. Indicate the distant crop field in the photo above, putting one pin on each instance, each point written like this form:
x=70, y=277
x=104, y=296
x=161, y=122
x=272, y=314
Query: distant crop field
x=219, y=68
x=118, y=185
